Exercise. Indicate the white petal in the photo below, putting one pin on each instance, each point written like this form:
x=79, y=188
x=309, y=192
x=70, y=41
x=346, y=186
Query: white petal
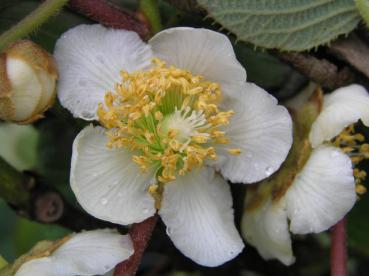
x=106, y=182
x=322, y=193
x=342, y=108
x=87, y=253
x=89, y=59
x=197, y=210
x=266, y=228
x=48, y=82
x=262, y=129
x=202, y=52
x=26, y=88
x=92, y=253
x=36, y=267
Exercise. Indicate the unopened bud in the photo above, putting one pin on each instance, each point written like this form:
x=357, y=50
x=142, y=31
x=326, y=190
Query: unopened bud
x=27, y=82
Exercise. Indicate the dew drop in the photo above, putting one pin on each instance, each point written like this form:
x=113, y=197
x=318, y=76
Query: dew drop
x=231, y=253
x=145, y=210
x=100, y=58
x=87, y=115
x=249, y=155
x=335, y=154
x=169, y=231
x=115, y=182
x=82, y=83
x=268, y=171
x=107, y=267
x=104, y=201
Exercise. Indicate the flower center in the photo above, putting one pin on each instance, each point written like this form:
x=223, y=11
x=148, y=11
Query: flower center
x=169, y=119
x=352, y=143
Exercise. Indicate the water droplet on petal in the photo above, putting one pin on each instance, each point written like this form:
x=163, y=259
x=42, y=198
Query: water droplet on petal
x=100, y=58
x=268, y=171
x=107, y=267
x=87, y=115
x=249, y=155
x=145, y=210
x=231, y=253
x=335, y=154
x=169, y=231
x=104, y=201
x=82, y=83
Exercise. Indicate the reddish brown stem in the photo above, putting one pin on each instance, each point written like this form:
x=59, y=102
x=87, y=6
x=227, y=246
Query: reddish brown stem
x=109, y=15
x=339, y=249
x=140, y=234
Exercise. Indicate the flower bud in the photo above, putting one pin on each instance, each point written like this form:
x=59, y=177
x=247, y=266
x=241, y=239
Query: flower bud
x=27, y=82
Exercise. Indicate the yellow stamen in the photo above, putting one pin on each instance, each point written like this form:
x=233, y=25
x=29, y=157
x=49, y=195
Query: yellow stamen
x=169, y=118
x=352, y=144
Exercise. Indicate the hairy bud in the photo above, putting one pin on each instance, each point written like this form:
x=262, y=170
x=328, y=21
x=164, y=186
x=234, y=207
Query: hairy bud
x=27, y=82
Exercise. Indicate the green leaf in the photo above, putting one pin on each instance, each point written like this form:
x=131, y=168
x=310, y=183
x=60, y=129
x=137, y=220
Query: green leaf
x=28, y=233
x=261, y=67
x=292, y=25
x=358, y=225
x=3, y=262
x=55, y=150
x=18, y=145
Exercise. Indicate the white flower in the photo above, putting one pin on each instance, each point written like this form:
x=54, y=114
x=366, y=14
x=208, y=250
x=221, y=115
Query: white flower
x=86, y=253
x=27, y=82
x=317, y=187
x=169, y=126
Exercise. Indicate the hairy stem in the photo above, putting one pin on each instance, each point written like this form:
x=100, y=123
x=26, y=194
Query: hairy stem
x=320, y=71
x=12, y=185
x=109, y=15
x=140, y=234
x=339, y=249
x=31, y=22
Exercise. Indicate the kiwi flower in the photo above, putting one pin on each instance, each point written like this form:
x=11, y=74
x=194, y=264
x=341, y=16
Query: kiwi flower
x=173, y=113
x=318, y=184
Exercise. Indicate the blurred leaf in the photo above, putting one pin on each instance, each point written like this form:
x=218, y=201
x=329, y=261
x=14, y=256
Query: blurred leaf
x=3, y=262
x=48, y=33
x=18, y=145
x=288, y=25
x=8, y=218
x=262, y=68
x=55, y=150
x=358, y=225
x=28, y=233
